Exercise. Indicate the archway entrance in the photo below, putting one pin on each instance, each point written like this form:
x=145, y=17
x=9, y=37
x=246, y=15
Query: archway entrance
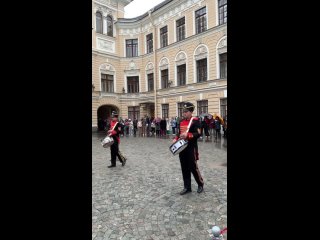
x=104, y=115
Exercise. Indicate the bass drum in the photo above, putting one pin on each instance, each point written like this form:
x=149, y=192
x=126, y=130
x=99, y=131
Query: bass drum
x=107, y=142
x=178, y=146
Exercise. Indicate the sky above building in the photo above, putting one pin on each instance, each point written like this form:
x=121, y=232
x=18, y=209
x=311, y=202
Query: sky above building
x=139, y=7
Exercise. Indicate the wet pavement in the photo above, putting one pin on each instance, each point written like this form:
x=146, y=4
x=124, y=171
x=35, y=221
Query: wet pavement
x=141, y=200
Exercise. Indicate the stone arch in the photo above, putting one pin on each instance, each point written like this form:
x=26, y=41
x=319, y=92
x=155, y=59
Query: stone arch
x=104, y=111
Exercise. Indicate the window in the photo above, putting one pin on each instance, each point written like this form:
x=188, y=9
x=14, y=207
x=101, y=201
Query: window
x=202, y=70
x=150, y=82
x=223, y=65
x=149, y=43
x=107, y=83
x=165, y=110
x=180, y=29
x=201, y=20
x=164, y=78
x=99, y=22
x=181, y=75
x=134, y=112
x=223, y=107
x=133, y=84
x=180, y=109
x=222, y=11
x=132, y=47
x=202, y=107
x=164, y=36
x=109, y=26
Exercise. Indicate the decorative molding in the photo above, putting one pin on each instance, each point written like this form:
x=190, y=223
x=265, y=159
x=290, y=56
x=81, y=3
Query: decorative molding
x=223, y=42
x=180, y=58
x=222, y=45
x=134, y=72
x=132, y=65
x=105, y=45
x=201, y=52
x=107, y=69
x=164, y=63
x=106, y=66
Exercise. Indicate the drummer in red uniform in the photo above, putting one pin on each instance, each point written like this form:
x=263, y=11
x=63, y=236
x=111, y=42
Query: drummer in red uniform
x=189, y=156
x=114, y=133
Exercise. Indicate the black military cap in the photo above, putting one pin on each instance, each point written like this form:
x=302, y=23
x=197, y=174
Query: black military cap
x=188, y=106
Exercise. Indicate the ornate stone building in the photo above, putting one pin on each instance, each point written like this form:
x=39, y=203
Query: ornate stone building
x=151, y=64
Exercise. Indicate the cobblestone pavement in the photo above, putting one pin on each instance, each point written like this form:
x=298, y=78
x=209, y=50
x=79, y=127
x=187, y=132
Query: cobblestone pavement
x=141, y=200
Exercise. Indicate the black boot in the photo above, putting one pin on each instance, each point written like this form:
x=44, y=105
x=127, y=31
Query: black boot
x=184, y=191
x=113, y=164
x=124, y=161
x=200, y=189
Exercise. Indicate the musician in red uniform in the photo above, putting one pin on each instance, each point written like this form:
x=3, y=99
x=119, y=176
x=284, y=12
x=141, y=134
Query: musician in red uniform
x=114, y=133
x=189, y=156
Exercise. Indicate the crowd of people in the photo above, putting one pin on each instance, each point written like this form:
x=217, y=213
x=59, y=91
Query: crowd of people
x=160, y=127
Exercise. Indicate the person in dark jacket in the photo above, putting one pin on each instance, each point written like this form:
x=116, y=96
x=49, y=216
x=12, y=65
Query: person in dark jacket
x=190, y=155
x=114, y=132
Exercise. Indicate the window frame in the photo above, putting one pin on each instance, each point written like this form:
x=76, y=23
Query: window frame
x=109, y=26
x=101, y=22
x=107, y=85
x=181, y=29
x=203, y=75
x=201, y=18
x=133, y=84
x=164, y=36
x=181, y=74
x=165, y=110
x=131, y=45
x=202, y=104
x=222, y=11
x=149, y=43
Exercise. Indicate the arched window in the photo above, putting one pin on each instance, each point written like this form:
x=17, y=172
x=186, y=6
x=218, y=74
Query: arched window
x=109, y=26
x=99, y=25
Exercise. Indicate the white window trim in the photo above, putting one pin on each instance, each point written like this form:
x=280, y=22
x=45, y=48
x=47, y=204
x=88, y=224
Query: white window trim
x=175, y=29
x=146, y=80
x=126, y=83
x=160, y=87
x=145, y=43
x=95, y=21
x=218, y=58
x=125, y=47
x=146, y=75
x=159, y=38
x=114, y=77
x=175, y=68
x=195, y=63
x=217, y=12
x=194, y=18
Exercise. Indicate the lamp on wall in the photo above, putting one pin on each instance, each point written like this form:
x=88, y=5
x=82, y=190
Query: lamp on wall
x=93, y=87
x=123, y=90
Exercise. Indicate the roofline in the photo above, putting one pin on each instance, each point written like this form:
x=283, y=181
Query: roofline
x=152, y=10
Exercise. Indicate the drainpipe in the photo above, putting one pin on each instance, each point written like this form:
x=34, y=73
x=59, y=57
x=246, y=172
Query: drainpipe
x=154, y=64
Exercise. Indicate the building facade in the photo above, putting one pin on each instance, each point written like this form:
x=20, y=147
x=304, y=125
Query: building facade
x=151, y=64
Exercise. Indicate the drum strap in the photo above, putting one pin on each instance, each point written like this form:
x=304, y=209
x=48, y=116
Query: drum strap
x=113, y=127
x=189, y=124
